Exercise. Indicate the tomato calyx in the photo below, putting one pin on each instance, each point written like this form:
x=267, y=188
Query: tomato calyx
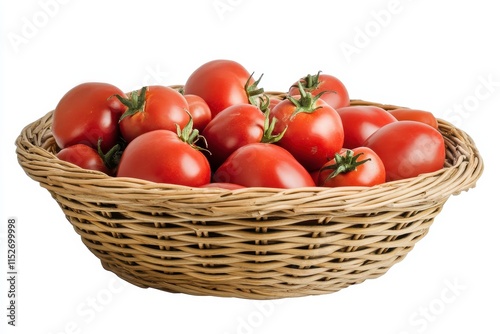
x=111, y=158
x=269, y=125
x=135, y=103
x=344, y=164
x=191, y=136
x=310, y=82
x=253, y=91
x=306, y=102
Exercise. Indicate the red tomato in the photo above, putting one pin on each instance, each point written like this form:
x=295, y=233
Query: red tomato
x=153, y=108
x=360, y=122
x=408, y=149
x=423, y=116
x=86, y=113
x=315, y=174
x=83, y=156
x=314, y=131
x=221, y=83
x=357, y=167
x=232, y=128
x=222, y=185
x=335, y=92
x=263, y=165
x=199, y=110
x=273, y=101
x=161, y=156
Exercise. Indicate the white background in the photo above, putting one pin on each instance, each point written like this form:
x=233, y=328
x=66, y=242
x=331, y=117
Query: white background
x=439, y=56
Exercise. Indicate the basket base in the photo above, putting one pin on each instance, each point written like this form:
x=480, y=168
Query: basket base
x=235, y=289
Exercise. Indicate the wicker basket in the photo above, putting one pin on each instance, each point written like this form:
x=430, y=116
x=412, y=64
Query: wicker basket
x=255, y=243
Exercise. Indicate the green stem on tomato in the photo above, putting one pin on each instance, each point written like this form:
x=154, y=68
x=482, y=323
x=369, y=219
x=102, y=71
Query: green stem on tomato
x=135, y=103
x=344, y=164
x=190, y=135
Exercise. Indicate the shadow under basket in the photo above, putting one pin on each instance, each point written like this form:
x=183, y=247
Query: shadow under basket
x=255, y=243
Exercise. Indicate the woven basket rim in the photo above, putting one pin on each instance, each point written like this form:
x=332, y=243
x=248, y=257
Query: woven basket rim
x=468, y=162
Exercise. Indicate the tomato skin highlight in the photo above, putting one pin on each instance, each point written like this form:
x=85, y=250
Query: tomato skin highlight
x=368, y=174
x=360, y=122
x=312, y=138
x=83, y=156
x=263, y=165
x=164, y=107
x=220, y=82
x=86, y=113
x=408, y=149
x=160, y=156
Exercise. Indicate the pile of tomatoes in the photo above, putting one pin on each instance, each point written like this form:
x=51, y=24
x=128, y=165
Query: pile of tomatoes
x=220, y=129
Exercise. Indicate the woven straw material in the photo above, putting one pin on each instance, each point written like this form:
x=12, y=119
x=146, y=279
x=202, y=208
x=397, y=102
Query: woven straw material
x=255, y=243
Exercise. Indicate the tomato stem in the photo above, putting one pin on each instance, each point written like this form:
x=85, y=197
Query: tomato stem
x=306, y=103
x=253, y=91
x=311, y=82
x=344, y=164
x=269, y=126
x=190, y=135
x=135, y=103
x=111, y=158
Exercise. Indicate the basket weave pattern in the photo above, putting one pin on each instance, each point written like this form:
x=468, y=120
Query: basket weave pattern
x=255, y=243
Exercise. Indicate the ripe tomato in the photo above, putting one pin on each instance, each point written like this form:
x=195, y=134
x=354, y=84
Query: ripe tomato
x=199, y=110
x=314, y=131
x=222, y=185
x=335, y=93
x=263, y=165
x=234, y=127
x=222, y=83
x=273, y=101
x=360, y=122
x=357, y=167
x=86, y=113
x=162, y=156
x=408, y=149
x=153, y=108
x=84, y=156
x=403, y=114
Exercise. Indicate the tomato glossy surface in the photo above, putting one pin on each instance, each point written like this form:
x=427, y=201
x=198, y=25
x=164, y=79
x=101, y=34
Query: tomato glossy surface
x=312, y=138
x=221, y=83
x=408, y=149
x=199, y=110
x=86, y=113
x=360, y=122
x=423, y=116
x=231, y=129
x=160, y=156
x=83, y=156
x=263, y=165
